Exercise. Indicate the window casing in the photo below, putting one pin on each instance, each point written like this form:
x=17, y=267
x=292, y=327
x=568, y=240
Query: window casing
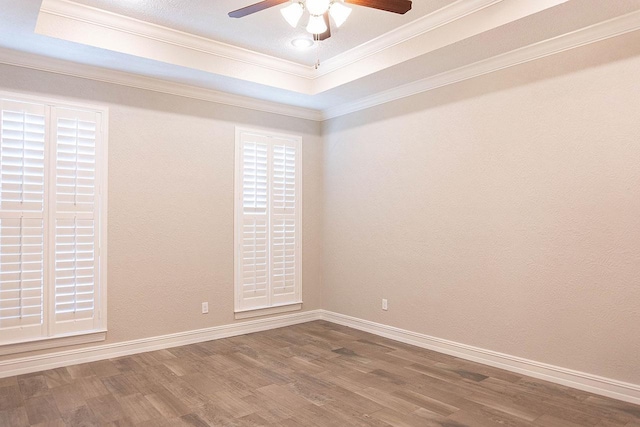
x=52, y=221
x=268, y=226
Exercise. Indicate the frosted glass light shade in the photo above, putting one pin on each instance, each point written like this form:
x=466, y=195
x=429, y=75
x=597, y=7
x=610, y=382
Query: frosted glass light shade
x=292, y=13
x=339, y=13
x=317, y=7
x=302, y=43
x=316, y=25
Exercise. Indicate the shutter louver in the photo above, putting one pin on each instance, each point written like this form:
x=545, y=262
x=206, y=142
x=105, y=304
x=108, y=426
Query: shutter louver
x=267, y=221
x=22, y=152
x=75, y=230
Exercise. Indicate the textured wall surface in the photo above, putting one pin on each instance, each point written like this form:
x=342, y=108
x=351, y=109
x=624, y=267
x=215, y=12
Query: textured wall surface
x=171, y=168
x=502, y=212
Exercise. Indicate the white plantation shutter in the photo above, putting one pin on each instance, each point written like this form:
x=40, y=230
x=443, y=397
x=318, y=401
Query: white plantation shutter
x=22, y=184
x=50, y=224
x=75, y=230
x=267, y=220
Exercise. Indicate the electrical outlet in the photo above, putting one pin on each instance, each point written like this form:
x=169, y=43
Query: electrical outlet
x=385, y=304
x=205, y=307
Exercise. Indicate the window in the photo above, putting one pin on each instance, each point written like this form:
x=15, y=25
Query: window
x=267, y=220
x=52, y=227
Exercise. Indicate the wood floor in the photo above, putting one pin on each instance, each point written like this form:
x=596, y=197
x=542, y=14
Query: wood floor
x=315, y=374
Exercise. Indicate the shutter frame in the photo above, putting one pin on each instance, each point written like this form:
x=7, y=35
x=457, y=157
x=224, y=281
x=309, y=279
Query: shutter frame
x=273, y=299
x=45, y=212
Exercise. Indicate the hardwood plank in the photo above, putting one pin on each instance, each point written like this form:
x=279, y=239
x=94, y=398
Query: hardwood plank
x=106, y=409
x=91, y=387
x=213, y=415
x=137, y=409
x=193, y=420
x=32, y=386
x=426, y=402
x=399, y=419
x=167, y=404
x=551, y=421
x=8, y=381
x=42, y=409
x=57, y=377
x=104, y=368
x=15, y=417
x=120, y=385
x=55, y=423
x=10, y=397
x=68, y=397
x=80, y=371
x=80, y=417
x=186, y=394
x=388, y=400
x=233, y=403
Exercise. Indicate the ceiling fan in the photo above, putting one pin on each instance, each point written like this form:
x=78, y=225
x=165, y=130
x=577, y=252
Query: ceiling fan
x=320, y=12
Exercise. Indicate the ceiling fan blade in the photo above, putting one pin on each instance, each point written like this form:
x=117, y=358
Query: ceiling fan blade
x=395, y=6
x=326, y=34
x=257, y=7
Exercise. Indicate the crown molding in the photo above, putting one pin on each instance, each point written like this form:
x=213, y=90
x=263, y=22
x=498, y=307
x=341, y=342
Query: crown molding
x=604, y=30
x=408, y=31
x=455, y=26
x=41, y=63
x=594, y=33
x=79, y=23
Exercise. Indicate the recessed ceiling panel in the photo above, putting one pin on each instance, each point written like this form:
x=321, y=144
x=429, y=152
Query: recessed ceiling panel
x=266, y=31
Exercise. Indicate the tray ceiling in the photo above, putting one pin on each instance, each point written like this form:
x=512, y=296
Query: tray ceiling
x=193, y=47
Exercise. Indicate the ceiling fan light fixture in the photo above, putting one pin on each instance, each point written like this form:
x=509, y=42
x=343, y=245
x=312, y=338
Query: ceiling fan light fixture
x=302, y=43
x=317, y=7
x=339, y=13
x=316, y=25
x=292, y=13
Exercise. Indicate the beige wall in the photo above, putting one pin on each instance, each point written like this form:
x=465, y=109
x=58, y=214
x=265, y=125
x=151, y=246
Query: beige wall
x=502, y=212
x=171, y=168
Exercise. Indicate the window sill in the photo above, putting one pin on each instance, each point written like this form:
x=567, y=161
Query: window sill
x=53, y=342
x=268, y=310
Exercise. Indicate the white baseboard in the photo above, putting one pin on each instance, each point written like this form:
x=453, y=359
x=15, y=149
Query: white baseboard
x=579, y=380
x=29, y=364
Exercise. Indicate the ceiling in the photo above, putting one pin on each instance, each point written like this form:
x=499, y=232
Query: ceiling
x=265, y=31
x=192, y=48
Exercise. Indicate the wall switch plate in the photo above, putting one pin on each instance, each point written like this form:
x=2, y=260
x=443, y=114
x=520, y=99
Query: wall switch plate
x=205, y=307
x=385, y=304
